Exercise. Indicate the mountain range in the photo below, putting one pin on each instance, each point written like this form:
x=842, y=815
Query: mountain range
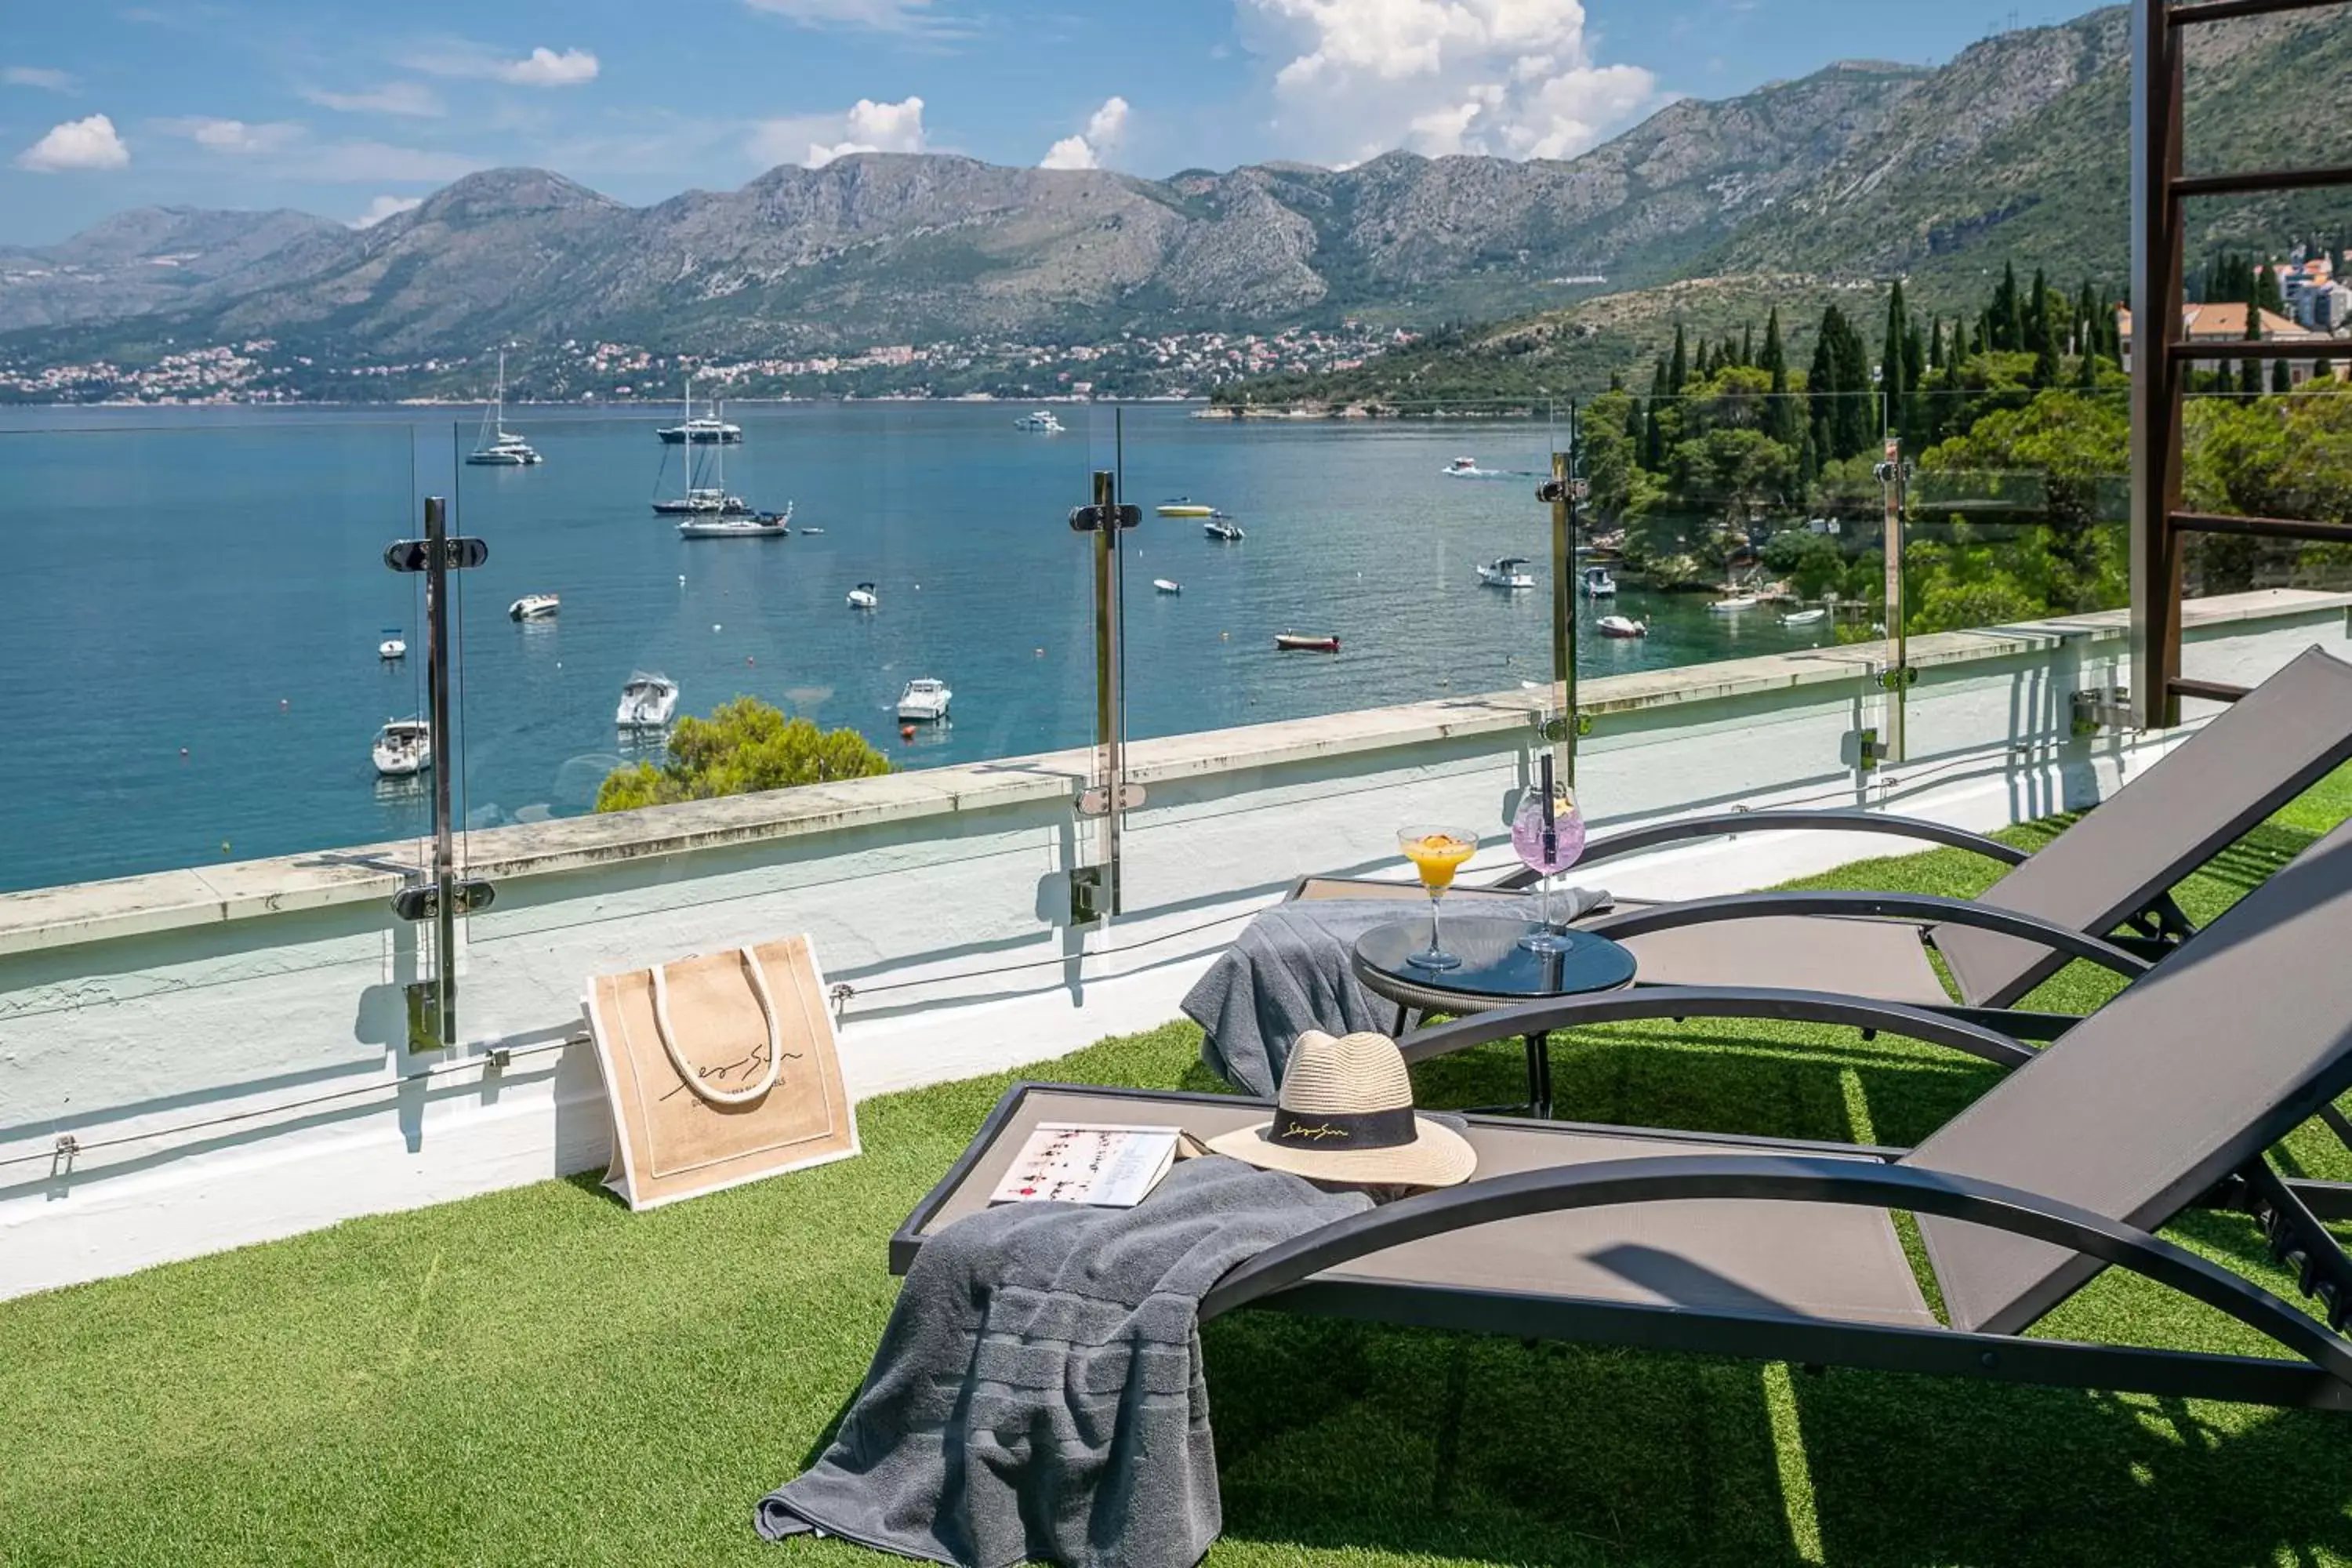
x=2015, y=151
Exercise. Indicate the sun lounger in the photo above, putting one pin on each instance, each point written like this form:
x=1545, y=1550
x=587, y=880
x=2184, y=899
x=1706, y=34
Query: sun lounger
x=2166, y=1098
x=2110, y=874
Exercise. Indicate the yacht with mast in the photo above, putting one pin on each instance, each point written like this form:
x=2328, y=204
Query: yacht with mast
x=496, y=446
x=707, y=430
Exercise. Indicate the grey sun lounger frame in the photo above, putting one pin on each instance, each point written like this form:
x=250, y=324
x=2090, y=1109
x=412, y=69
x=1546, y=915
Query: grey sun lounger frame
x=2067, y=1166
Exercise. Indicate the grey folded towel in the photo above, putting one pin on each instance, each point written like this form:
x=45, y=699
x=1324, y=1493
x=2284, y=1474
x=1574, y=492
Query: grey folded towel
x=1289, y=973
x=1038, y=1393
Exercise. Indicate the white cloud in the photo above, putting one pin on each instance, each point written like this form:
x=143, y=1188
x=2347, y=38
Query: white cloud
x=234, y=136
x=1512, y=77
x=545, y=68
x=89, y=143
x=541, y=68
x=1106, y=129
x=816, y=140
x=883, y=15
x=41, y=77
x=384, y=207
x=413, y=98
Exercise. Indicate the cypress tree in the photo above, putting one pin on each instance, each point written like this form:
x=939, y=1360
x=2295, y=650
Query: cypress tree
x=2249, y=371
x=1821, y=386
x=2037, y=315
x=1679, y=373
x=2006, y=331
x=1781, y=418
x=1890, y=362
x=2046, y=368
x=1935, y=343
x=2087, y=371
x=2086, y=320
x=2322, y=367
x=1747, y=343
x=2281, y=378
x=2267, y=293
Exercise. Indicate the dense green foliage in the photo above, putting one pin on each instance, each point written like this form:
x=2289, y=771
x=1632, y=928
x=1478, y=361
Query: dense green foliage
x=539, y=1376
x=746, y=746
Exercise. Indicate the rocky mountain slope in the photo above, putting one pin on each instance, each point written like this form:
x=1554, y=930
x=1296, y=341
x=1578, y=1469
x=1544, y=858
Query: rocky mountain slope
x=2012, y=152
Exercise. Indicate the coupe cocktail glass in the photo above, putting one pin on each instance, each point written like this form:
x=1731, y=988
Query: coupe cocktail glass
x=1436, y=852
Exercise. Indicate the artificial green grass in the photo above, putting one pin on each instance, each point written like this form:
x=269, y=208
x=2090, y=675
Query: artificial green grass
x=541, y=1376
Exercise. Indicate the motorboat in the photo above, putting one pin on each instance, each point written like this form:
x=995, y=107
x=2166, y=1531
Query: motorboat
x=495, y=446
x=1224, y=529
x=1298, y=642
x=1804, y=617
x=704, y=499
x=862, y=597
x=1166, y=585
x=1043, y=422
x=393, y=645
x=1733, y=604
x=1185, y=506
x=1506, y=574
x=1465, y=468
x=750, y=525
x=534, y=607
x=700, y=430
x=811, y=531
x=1599, y=584
x=646, y=703
x=1622, y=626
x=404, y=749
x=925, y=700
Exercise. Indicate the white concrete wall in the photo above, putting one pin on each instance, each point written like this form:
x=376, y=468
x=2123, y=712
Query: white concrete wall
x=226, y=1045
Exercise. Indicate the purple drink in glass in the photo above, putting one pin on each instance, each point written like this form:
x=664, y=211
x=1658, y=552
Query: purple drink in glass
x=1548, y=846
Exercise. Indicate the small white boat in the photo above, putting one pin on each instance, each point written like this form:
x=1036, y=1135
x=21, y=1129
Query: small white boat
x=1599, y=584
x=1224, y=529
x=806, y=531
x=1733, y=604
x=1304, y=642
x=1185, y=506
x=1804, y=617
x=753, y=525
x=404, y=748
x=393, y=645
x=646, y=703
x=1463, y=468
x=1166, y=586
x=862, y=597
x=534, y=607
x=1506, y=574
x=925, y=700
x=1622, y=627
x=1043, y=422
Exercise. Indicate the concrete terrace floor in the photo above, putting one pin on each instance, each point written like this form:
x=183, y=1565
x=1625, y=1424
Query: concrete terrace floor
x=539, y=1376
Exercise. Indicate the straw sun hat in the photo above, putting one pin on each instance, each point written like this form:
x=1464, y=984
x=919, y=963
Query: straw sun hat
x=1345, y=1114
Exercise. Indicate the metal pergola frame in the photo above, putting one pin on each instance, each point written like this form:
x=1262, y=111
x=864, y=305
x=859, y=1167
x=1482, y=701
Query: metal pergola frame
x=2160, y=192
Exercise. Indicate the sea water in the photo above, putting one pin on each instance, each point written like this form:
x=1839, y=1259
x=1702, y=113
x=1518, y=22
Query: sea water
x=194, y=598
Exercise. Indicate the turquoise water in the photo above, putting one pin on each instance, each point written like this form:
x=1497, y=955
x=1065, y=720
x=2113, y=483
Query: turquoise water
x=212, y=580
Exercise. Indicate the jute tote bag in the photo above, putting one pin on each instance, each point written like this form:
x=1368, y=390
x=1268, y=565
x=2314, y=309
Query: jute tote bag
x=721, y=1070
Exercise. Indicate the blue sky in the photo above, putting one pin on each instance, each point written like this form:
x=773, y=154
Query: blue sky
x=352, y=110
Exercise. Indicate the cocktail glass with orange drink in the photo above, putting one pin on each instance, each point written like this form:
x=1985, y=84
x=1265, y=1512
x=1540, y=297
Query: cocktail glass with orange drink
x=1437, y=853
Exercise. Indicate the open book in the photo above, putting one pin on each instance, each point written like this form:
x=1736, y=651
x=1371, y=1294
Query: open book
x=1102, y=1163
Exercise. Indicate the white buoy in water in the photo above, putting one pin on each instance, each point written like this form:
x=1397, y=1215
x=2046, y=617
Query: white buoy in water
x=681, y=579
x=714, y=625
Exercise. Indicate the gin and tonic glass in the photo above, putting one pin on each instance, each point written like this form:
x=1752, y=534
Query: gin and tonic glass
x=1549, y=834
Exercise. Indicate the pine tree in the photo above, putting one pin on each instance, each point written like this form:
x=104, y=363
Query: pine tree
x=1678, y=374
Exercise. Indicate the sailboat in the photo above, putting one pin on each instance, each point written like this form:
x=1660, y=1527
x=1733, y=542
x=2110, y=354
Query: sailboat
x=496, y=446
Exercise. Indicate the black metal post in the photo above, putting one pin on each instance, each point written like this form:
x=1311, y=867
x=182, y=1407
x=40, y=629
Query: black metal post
x=437, y=686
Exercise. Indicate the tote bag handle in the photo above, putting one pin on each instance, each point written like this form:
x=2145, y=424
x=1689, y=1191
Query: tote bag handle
x=687, y=1072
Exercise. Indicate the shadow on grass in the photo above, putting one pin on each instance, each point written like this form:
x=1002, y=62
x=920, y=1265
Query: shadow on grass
x=1350, y=1438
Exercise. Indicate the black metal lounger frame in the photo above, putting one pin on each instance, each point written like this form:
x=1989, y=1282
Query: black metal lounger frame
x=1283, y=1277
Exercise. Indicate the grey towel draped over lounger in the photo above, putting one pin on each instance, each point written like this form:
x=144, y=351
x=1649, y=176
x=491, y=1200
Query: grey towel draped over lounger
x=1289, y=973
x=1038, y=1395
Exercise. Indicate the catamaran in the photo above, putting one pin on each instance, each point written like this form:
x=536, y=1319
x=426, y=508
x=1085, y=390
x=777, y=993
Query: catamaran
x=708, y=430
x=925, y=700
x=496, y=446
x=404, y=748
